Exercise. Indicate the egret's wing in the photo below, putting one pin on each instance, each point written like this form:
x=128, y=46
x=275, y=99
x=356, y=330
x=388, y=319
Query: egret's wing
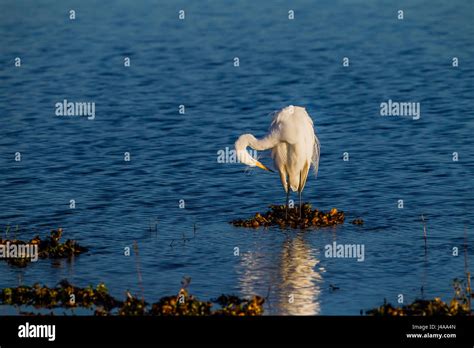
x=316, y=154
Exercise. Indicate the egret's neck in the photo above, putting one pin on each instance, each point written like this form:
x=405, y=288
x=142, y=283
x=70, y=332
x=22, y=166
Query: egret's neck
x=270, y=141
x=241, y=148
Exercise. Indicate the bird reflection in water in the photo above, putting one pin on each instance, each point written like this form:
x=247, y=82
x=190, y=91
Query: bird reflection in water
x=291, y=283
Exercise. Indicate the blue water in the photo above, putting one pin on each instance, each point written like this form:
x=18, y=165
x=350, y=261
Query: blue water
x=174, y=156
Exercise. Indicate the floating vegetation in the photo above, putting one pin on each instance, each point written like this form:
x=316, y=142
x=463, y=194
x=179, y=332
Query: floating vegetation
x=233, y=305
x=459, y=305
x=182, y=304
x=64, y=295
x=357, y=221
x=98, y=299
x=20, y=253
x=276, y=216
x=131, y=306
x=421, y=308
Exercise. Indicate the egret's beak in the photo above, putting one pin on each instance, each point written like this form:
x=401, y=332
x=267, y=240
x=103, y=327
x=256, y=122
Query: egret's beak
x=260, y=165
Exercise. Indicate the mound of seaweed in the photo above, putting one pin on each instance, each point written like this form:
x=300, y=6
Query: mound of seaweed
x=64, y=295
x=49, y=247
x=68, y=296
x=459, y=305
x=421, y=308
x=276, y=216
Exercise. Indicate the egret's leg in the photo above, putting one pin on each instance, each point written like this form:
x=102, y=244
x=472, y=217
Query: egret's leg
x=300, y=192
x=287, y=201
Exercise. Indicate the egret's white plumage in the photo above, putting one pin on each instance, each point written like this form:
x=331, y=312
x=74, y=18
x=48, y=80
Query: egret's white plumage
x=294, y=144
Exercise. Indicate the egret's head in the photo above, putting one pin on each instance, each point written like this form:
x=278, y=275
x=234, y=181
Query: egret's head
x=242, y=154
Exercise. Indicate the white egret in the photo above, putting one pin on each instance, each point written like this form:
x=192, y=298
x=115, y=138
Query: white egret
x=295, y=147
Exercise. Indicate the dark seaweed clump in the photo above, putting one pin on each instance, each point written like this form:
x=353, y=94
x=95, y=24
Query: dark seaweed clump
x=103, y=304
x=60, y=296
x=459, y=305
x=276, y=216
x=49, y=247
